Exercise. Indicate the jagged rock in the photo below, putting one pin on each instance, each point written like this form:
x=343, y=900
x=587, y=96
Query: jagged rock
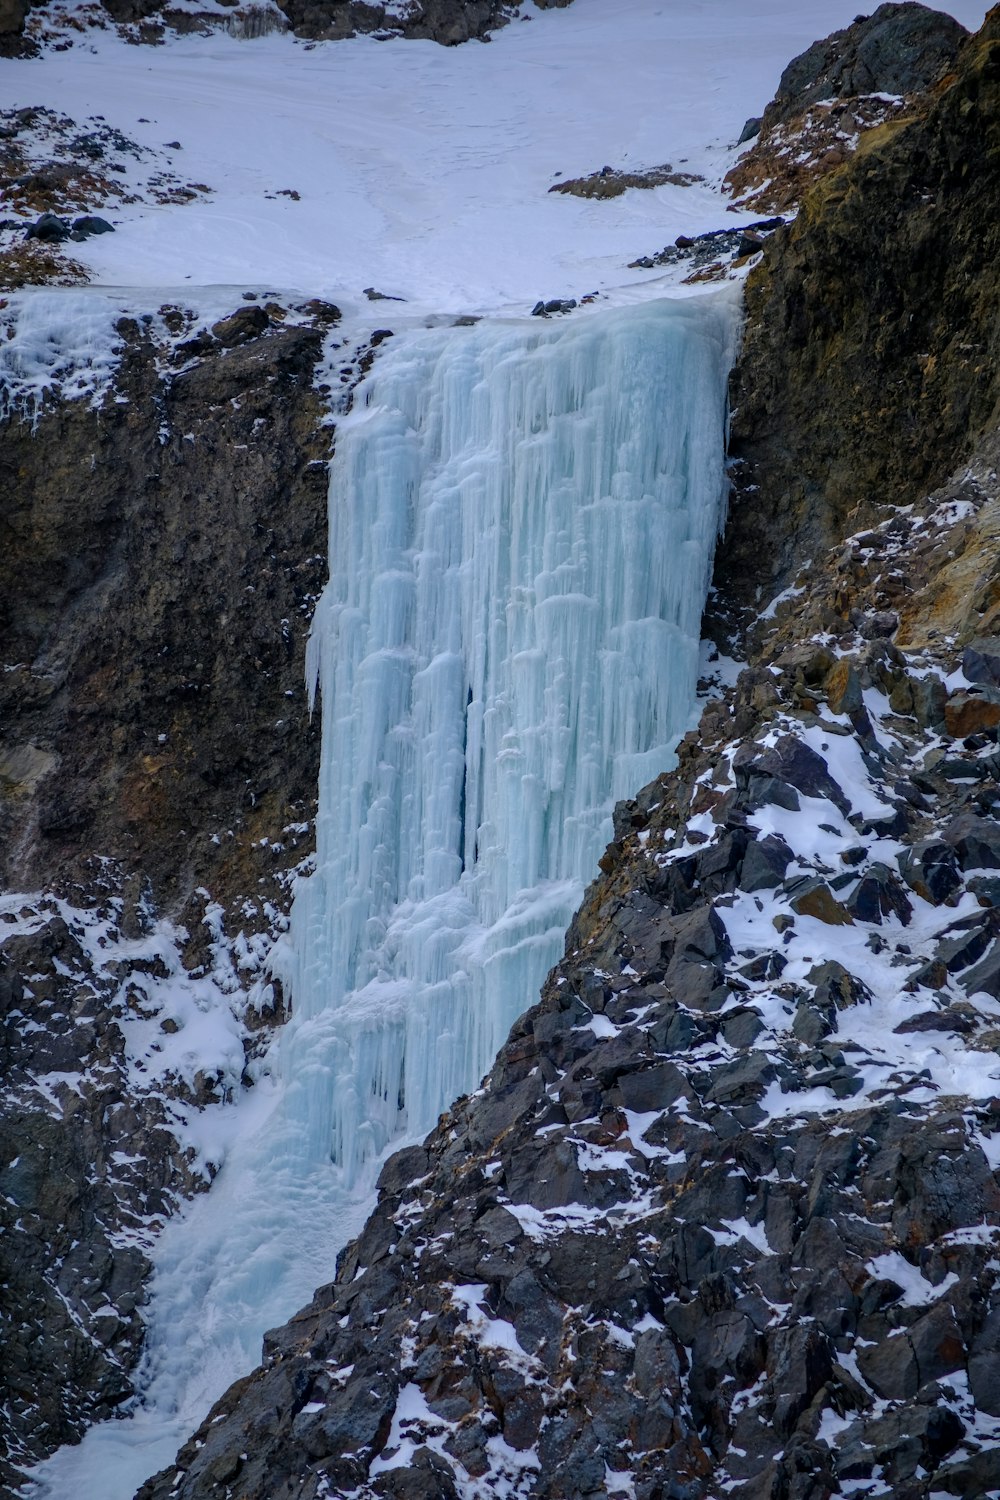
x=971, y=712
x=968, y=941
x=554, y=305
x=879, y=894
x=900, y=49
x=976, y=841
x=930, y=868
x=843, y=688
x=928, y=696
x=814, y=898
x=984, y=976
x=981, y=660
x=244, y=324
x=951, y=1018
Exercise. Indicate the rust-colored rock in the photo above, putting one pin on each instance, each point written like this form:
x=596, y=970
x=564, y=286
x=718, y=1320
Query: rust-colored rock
x=970, y=713
x=822, y=904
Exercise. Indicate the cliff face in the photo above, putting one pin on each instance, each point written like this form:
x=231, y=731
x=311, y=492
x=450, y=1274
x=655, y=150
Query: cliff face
x=158, y=560
x=871, y=351
x=722, y=1218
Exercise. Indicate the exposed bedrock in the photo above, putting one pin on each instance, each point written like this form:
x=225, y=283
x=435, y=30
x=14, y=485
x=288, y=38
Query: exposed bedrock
x=158, y=561
x=870, y=360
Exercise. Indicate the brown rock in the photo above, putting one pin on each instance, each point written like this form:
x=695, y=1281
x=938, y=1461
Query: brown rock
x=969, y=713
x=822, y=904
x=843, y=688
x=12, y=14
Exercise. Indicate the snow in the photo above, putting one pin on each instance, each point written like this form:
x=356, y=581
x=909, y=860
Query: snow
x=58, y=341
x=424, y=171
x=917, y=1292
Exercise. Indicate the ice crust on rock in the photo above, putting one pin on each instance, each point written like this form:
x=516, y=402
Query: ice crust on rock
x=56, y=342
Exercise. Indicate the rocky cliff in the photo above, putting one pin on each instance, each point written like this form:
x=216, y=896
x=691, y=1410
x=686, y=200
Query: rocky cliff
x=723, y=1218
x=157, y=780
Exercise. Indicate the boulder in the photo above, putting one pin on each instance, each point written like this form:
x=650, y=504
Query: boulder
x=976, y=841
x=49, y=228
x=971, y=712
x=879, y=894
x=843, y=688
x=812, y=897
x=88, y=224
x=930, y=867
x=241, y=326
x=981, y=660
x=901, y=49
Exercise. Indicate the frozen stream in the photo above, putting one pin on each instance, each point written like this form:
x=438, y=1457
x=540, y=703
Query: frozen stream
x=522, y=520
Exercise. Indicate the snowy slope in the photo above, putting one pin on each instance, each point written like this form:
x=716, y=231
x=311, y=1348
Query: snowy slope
x=424, y=171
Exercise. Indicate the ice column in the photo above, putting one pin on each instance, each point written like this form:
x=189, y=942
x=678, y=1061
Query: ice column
x=522, y=521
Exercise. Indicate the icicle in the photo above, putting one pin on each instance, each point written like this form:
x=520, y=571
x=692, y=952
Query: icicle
x=521, y=531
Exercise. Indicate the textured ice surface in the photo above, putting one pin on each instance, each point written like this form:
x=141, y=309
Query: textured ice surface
x=522, y=519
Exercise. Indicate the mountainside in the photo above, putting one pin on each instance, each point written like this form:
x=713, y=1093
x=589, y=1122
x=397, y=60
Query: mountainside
x=158, y=771
x=26, y=23
x=723, y=1217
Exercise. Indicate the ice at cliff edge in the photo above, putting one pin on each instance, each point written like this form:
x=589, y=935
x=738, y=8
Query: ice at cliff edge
x=522, y=520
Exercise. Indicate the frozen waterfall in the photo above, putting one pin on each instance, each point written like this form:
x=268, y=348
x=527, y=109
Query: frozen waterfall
x=522, y=521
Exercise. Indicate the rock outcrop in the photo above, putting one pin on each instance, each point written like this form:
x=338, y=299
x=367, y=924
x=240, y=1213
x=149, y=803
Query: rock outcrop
x=159, y=557
x=449, y=22
x=870, y=360
x=877, y=70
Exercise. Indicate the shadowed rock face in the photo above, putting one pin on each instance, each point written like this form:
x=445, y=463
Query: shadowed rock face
x=870, y=360
x=158, y=562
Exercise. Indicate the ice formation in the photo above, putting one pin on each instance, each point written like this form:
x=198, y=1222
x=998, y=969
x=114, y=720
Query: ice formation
x=522, y=521
x=521, y=531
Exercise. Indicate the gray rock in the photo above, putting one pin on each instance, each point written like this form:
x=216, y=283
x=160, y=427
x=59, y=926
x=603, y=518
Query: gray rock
x=976, y=841
x=981, y=660
x=900, y=49
x=764, y=863
x=879, y=895
x=930, y=867
x=49, y=228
